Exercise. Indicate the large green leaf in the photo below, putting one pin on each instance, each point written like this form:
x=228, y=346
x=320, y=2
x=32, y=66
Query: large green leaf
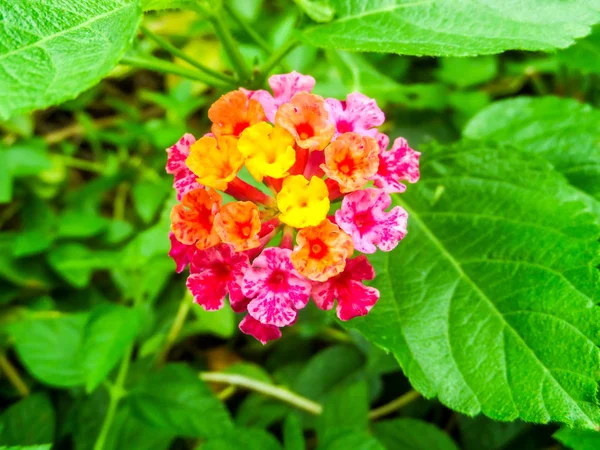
x=489, y=302
x=413, y=434
x=578, y=439
x=51, y=51
x=563, y=131
x=585, y=55
x=454, y=27
x=175, y=400
x=243, y=438
x=28, y=422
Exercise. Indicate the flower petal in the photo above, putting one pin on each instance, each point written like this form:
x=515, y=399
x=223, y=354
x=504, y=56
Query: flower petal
x=261, y=332
x=208, y=288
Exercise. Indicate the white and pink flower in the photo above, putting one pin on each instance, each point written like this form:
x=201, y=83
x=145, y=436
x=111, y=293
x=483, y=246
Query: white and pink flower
x=399, y=163
x=359, y=114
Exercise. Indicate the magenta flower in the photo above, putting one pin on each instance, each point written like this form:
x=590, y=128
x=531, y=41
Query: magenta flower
x=182, y=254
x=364, y=218
x=353, y=297
x=284, y=87
x=399, y=163
x=184, y=180
x=260, y=331
x=216, y=272
x=276, y=289
x=358, y=113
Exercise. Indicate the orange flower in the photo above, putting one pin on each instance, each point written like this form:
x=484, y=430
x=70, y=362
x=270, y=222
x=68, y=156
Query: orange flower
x=321, y=251
x=215, y=162
x=305, y=117
x=233, y=113
x=238, y=224
x=351, y=160
x=192, y=219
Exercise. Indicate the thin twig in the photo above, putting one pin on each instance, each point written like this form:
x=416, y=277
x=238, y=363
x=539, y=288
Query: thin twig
x=247, y=28
x=13, y=376
x=187, y=58
x=394, y=405
x=279, y=393
x=163, y=66
x=182, y=312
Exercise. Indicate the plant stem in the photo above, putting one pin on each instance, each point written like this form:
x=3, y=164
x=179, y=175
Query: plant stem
x=275, y=59
x=82, y=164
x=247, y=28
x=282, y=394
x=229, y=44
x=13, y=376
x=394, y=405
x=180, y=54
x=116, y=393
x=162, y=66
x=182, y=312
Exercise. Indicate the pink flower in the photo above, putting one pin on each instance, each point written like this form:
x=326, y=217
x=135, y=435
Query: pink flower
x=364, y=218
x=399, y=163
x=277, y=290
x=284, y=87
x=354, y=298
x=216, y=272
x=184, y=180
x=260, y=331
x=358, y=113
x=182, y=254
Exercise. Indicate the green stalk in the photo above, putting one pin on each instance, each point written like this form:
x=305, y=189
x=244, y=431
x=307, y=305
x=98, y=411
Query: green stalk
x=229, y=44
x=180, y=54
x=116, y=392
x=275, y=59
x=394, y=405
x=167, y=67
x=182, y=312
x=248, y=29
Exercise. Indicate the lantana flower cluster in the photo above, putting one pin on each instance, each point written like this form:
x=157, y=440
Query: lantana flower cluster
x=271, y=250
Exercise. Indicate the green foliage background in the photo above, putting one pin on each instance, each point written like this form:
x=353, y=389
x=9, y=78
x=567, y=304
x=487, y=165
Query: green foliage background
x=487, y=332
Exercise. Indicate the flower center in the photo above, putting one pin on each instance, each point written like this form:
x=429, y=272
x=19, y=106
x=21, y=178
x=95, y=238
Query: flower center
x=239, y=127
x=363, y=220
x=305, y=131
x=276, y=279
x=318, y=249
x=343, y=126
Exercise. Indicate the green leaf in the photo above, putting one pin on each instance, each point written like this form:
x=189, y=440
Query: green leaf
x=412, y=434
x=49, y=348
x=356, y=440
x=108, y=332
x=293, y=437
x=346, y=408
x=76, y=263
x=334, y=366
x=74, y=223
x=584, y=55
x=174, y=399
x=155, y=5
x=578, y=439
x=220, y=323
x=358, y=74
x=28, y=157
x=480, y=432
x=28, y=447
x=148, y=197
x=488, y=303
x=466, y=72
x=53, y=51
x=317, y=10
x=29, y=421
x=453, y=27
x=243, y=438
x=563, y=131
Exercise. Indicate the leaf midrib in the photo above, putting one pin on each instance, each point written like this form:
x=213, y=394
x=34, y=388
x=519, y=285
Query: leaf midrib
x=445, y=253
x=66, y=31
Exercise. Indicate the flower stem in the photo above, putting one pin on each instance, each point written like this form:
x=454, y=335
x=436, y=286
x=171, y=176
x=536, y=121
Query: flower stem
x=182, y=312
x=243, y=191
x=229, y=44
x=275, y=59
x=162, y=66
x=13, y=376
x=116, y=393
x=81, y=164
x=394, y=405
x=180, y=54
x=247, y=28
x=279, y=393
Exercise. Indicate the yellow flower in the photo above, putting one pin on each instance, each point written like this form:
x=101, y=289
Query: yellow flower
x=269, y=150
x=303, y=203
x=215, y=162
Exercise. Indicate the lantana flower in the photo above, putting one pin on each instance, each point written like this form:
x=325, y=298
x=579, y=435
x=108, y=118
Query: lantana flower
x=306, y=152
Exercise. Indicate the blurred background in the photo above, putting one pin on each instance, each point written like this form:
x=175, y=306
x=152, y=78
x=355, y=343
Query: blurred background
x=84, y=218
